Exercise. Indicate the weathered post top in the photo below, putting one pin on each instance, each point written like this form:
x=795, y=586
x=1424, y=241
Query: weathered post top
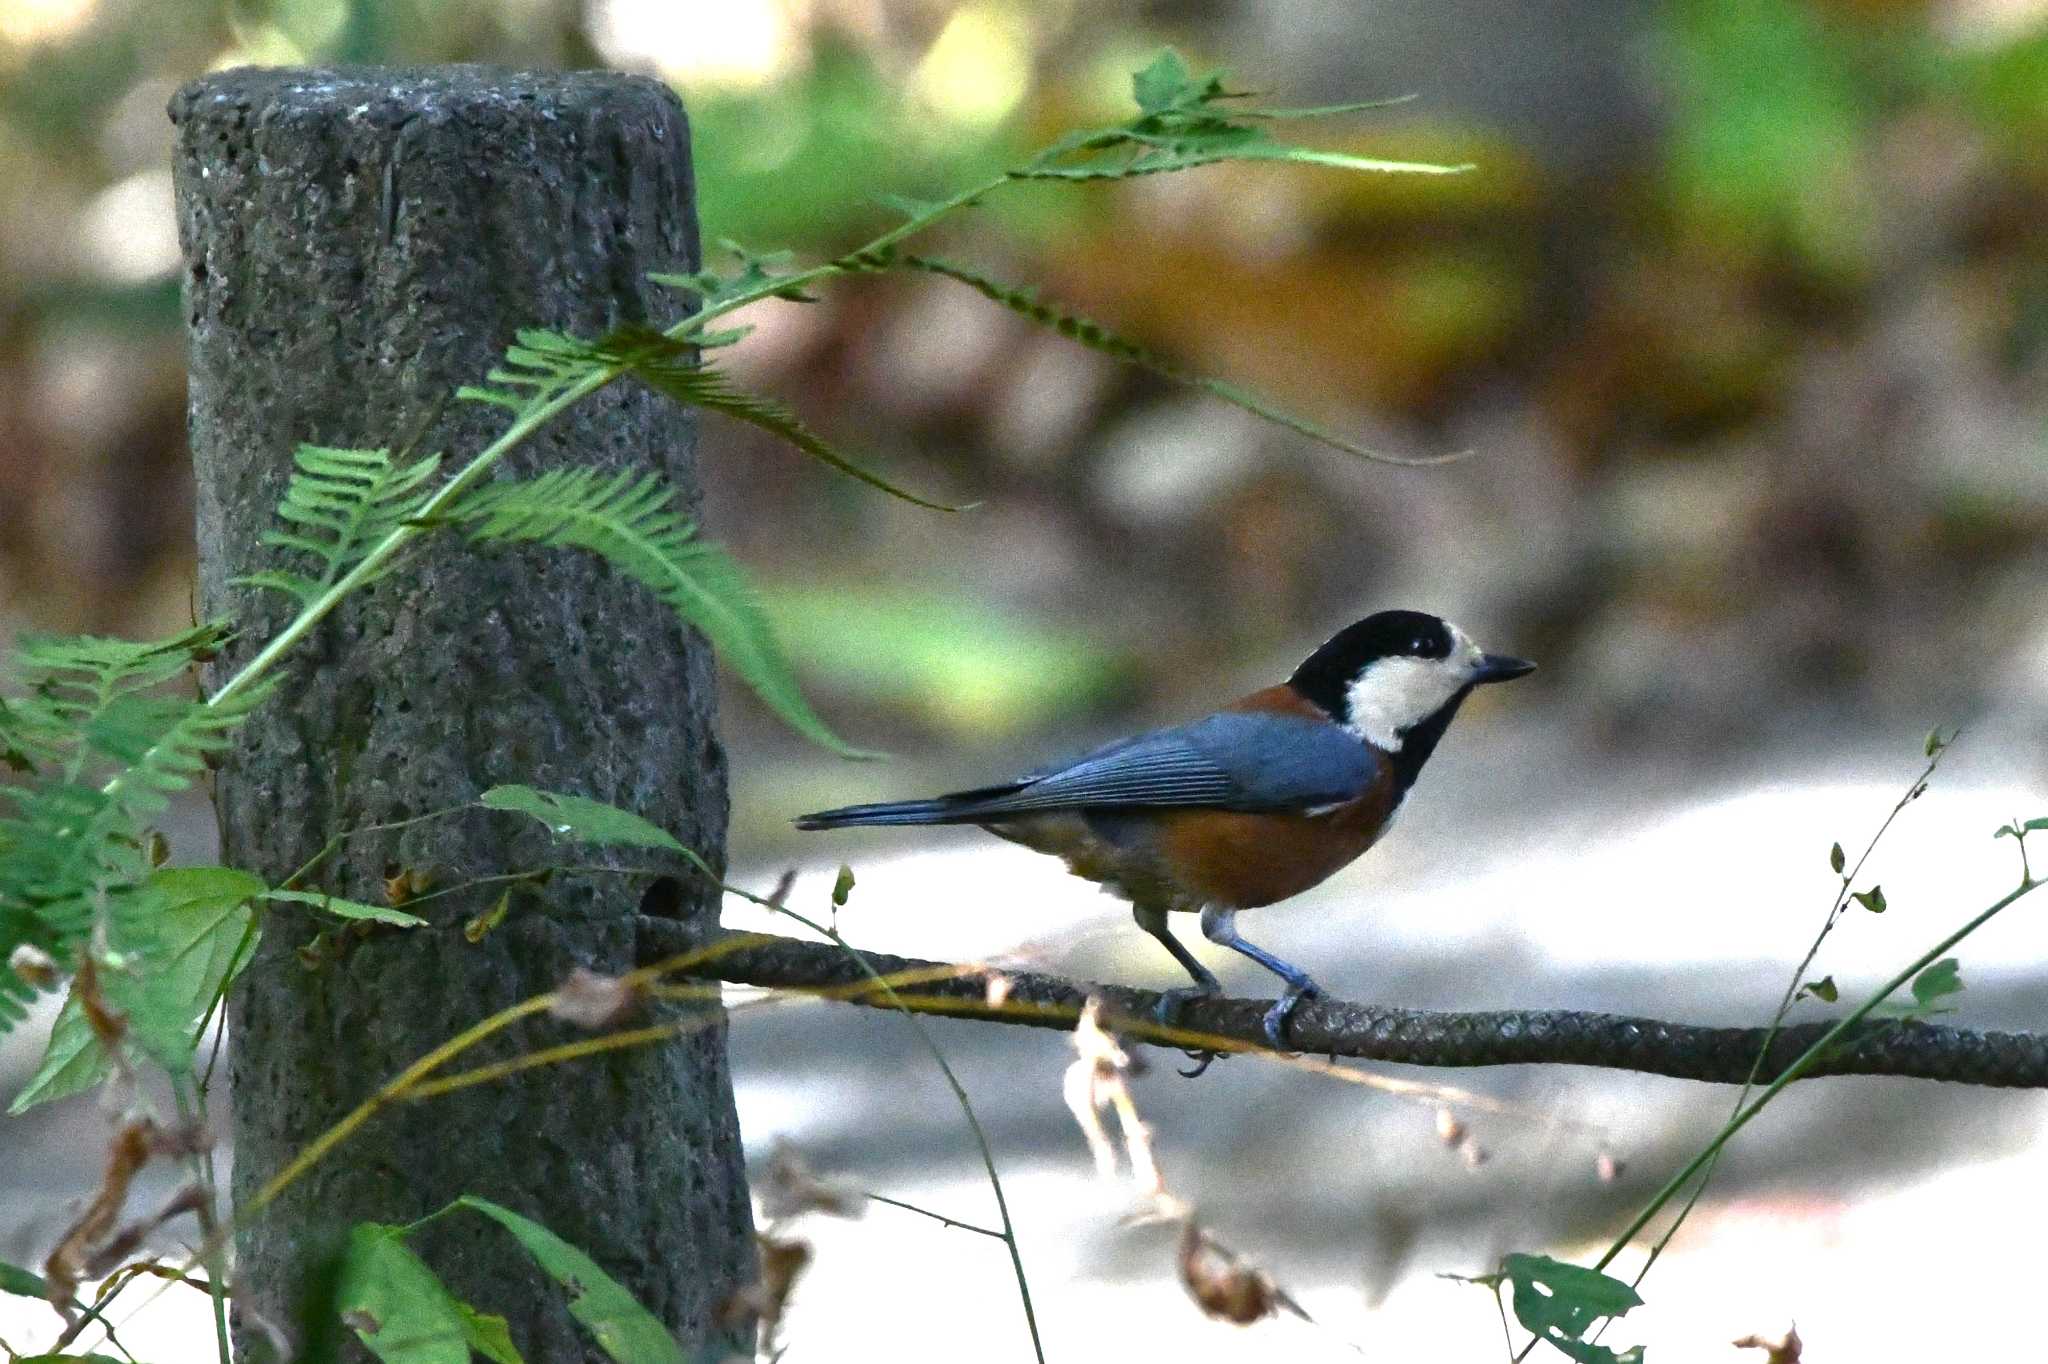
x=358, y=244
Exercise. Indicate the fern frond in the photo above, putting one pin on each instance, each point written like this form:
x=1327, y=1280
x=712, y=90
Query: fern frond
x=337, y=507
x=69, y=683
x=73, y=844
x=672, y=368
x=1096, y=337
x=631, y=523
x=539, y=366
x=544, y=364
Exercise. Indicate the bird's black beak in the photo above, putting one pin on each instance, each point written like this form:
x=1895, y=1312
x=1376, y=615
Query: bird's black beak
x=1501, y=668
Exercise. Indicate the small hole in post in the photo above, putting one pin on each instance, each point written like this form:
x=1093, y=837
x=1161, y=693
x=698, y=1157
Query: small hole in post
x=663, y=899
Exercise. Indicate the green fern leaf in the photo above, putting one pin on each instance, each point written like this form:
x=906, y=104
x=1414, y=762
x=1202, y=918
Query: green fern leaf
x=73, y=840
x=631, y=522
x=1097, y=337
x=544, y=364
x=338, y=506
x=672, y=368
x=538, y=367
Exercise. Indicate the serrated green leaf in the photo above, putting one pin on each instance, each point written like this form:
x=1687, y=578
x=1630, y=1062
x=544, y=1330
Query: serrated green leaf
x=580, y=818
x=1941, y=979
x=397, y=1306
x=196, y=919
x=632, y=523
x=348, y=909
x=625, y=1330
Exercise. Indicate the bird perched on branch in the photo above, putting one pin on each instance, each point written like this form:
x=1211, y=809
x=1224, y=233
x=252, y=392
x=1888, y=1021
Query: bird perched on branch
x=1246, y=807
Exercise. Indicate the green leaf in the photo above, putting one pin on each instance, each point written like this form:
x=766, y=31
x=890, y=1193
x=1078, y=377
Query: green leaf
x=194, y=920
x=631, y=522
x=1938, y=981
x=1836, y=859
x=625, y=1330
x=397, y=1306
x=842, y=887
x=1935, y=743
x=21, y=1283
x=1823, y=989
x=1560, y=1302
x=1161, y=85
x=1872, y=899
x=1185, y=121
x=348, y=909
x=489, y=1335
x=580, y=818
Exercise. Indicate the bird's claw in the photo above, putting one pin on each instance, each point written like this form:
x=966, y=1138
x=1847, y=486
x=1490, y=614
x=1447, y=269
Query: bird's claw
x=1283, y=1009
x=1168, y=1011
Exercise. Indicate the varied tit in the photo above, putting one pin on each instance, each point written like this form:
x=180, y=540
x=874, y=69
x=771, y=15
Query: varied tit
x=1255, y=803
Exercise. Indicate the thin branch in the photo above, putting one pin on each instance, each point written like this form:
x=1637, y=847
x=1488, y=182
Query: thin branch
x=1412, y=1036
x=936, y=1216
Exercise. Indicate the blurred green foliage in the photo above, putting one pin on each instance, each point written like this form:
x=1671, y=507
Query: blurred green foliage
x=962, y=668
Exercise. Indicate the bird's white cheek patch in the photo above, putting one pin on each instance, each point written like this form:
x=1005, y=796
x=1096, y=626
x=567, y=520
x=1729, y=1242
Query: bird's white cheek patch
x=1397, y=693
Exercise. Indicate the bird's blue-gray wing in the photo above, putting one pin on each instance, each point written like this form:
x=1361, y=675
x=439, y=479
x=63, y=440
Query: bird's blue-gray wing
x=1233, y=761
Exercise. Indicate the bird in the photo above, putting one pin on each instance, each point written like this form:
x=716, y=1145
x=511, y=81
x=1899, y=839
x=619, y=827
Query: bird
x=1248, y=806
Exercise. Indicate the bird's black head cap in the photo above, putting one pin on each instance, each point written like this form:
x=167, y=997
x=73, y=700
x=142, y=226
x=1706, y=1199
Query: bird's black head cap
x=1326, y=675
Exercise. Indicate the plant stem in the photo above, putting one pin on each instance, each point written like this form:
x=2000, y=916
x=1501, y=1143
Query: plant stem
x=1802, y=1064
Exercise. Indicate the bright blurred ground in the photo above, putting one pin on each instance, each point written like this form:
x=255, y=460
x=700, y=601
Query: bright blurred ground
x=1744, y=316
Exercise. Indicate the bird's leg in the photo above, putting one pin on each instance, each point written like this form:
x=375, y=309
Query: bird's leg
x=1152, y=919
x=1219, y=926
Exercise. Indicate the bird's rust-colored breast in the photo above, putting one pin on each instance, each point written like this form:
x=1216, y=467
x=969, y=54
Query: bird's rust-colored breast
x=1247, y=860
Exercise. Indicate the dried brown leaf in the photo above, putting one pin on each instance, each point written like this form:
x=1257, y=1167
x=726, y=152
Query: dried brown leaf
x=34, y=965
x=590, y=999
x=791, y=1188
x=782, y=1261
x=1227, y=1286
x=1785, y=1351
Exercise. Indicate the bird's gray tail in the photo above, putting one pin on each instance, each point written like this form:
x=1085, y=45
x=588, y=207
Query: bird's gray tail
x=961, y=807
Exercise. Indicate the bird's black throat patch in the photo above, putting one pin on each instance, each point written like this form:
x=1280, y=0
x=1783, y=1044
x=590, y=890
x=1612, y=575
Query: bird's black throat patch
x=1419, y=740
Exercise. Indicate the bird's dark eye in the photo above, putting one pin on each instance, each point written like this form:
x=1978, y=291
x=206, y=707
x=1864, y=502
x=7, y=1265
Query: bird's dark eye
x=1418, y=646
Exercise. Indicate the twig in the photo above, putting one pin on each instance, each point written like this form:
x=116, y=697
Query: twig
x=935, y=1216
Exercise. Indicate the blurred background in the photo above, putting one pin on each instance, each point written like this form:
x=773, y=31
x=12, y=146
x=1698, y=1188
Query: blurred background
x=1743, y=317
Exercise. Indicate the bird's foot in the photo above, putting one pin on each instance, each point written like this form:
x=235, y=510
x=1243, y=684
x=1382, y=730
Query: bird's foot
x=1171, y=1004
x=1283, y=1010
